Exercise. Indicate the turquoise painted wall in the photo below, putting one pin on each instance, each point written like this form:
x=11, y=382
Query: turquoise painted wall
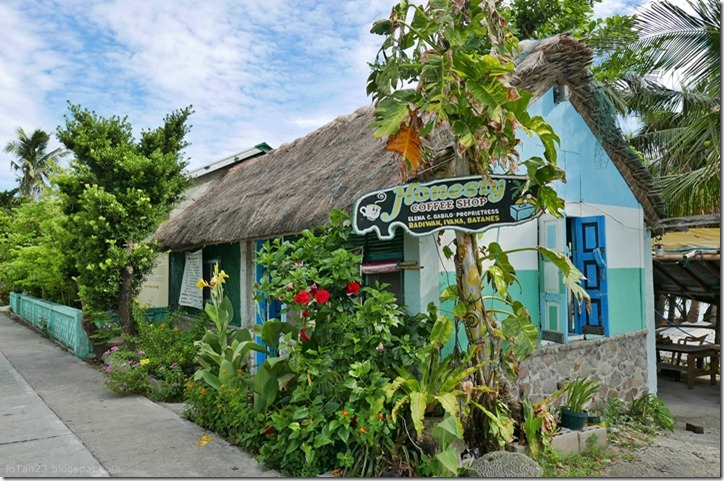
x=625, y=286
x=627, y=313
x=526, y=292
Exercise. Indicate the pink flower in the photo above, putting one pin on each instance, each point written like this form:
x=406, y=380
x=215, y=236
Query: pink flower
x=313, y=289
x=114, y=348
x=380, y=347
x=353, y=288
x=322, y=296
x=289, y=287
x=303, y=297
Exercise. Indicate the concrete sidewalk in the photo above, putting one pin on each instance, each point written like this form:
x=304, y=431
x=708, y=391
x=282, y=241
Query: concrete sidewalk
x=58, y=420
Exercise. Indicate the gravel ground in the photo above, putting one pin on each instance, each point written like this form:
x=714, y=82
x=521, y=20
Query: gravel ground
x=681, y=453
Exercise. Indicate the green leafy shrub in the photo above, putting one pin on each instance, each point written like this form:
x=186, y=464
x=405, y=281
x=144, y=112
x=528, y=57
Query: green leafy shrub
x=227, y=412
x=319, y=399
x=164, y=351
x=127, y=370
x=168, y=342
x=648, y=408
x=580, y=393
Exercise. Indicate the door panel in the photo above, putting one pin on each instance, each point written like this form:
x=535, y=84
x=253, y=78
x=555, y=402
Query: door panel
x=553, y=295
x=264, y=310
x=589, y=255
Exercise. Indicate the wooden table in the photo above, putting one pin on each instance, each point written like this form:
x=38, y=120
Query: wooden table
x=695, y=356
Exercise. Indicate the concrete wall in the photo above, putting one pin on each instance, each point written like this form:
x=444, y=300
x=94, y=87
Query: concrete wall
x=618, y=363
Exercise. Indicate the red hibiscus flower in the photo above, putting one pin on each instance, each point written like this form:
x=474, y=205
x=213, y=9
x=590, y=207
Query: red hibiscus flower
x=302, y=297
x=269, y=431
x=353, y=288
x=305, y=313
x=322, y=296
x=303, y=335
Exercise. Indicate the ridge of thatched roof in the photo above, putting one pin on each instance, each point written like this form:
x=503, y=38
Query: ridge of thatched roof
x=289, y=189
x=295, y=186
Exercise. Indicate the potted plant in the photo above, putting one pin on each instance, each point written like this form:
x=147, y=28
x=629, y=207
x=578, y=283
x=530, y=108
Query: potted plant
x=596, y=412
x=579, y=393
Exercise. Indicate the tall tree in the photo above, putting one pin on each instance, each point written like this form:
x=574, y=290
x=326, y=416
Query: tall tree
x=116, y=193
x=544, y=18
x=32, y=160
x=448, y=66
x=681, y=133
x=33, y=254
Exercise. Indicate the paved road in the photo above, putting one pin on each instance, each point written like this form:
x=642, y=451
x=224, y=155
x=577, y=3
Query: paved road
x=58, y=420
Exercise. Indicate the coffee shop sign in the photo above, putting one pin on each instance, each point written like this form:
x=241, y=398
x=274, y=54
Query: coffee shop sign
x=470, y=204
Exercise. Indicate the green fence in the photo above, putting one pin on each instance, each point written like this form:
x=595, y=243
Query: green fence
x=60, y=322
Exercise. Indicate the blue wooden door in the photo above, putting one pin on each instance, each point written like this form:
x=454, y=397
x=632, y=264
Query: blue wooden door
x=264, y=308
x=589, y=255
x=553, y=293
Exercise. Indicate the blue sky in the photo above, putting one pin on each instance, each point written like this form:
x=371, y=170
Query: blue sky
x=255, y=71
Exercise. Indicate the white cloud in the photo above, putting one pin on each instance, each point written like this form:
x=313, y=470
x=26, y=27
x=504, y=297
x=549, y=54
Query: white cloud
x=254, y=72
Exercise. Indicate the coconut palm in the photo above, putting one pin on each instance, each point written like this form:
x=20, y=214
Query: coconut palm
x=33, y=163
x=680, y=137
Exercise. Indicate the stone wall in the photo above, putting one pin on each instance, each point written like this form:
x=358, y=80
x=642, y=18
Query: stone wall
x=618, y=363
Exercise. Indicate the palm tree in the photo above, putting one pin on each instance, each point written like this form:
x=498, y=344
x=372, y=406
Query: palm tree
x=681, y=136
x=32, y=161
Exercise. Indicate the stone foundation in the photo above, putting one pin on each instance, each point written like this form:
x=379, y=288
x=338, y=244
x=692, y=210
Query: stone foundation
x=618, y=363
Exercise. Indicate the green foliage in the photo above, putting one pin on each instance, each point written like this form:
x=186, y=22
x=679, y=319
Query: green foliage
x=127, y=370
x=33, y=258
x=584, y=465
x=580, y=392
x=446, y=432
x=222, y=352
x=168, y=343
x=106, y=330
x=434, y=384
x=681, y=134
x=648, y=408
x=322, y=388
x=115, y=194
x=537, y=428
x=164, y=351
x=33, y=162
x=460, y=55
x=548, y=17
x=500, y=425
x=227, y=412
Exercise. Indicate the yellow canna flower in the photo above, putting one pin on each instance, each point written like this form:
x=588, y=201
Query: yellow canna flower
x=213, y=282
x=201, y=284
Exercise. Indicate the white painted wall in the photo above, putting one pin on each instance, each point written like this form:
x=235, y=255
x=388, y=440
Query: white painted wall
x=421, y=286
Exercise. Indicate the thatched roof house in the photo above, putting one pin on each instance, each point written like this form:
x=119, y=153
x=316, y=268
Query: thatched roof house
x=295, y=186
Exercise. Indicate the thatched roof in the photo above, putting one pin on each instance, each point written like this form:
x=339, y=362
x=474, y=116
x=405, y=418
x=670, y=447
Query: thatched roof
x=295, y=186
x=289, y=189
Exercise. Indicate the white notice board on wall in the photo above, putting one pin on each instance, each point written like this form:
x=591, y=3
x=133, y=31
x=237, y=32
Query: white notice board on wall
x=191, y=295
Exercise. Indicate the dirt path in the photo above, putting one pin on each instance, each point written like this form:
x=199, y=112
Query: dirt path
x=682, y=453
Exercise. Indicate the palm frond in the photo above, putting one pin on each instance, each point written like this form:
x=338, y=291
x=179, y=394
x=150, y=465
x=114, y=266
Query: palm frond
x=688, y=42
